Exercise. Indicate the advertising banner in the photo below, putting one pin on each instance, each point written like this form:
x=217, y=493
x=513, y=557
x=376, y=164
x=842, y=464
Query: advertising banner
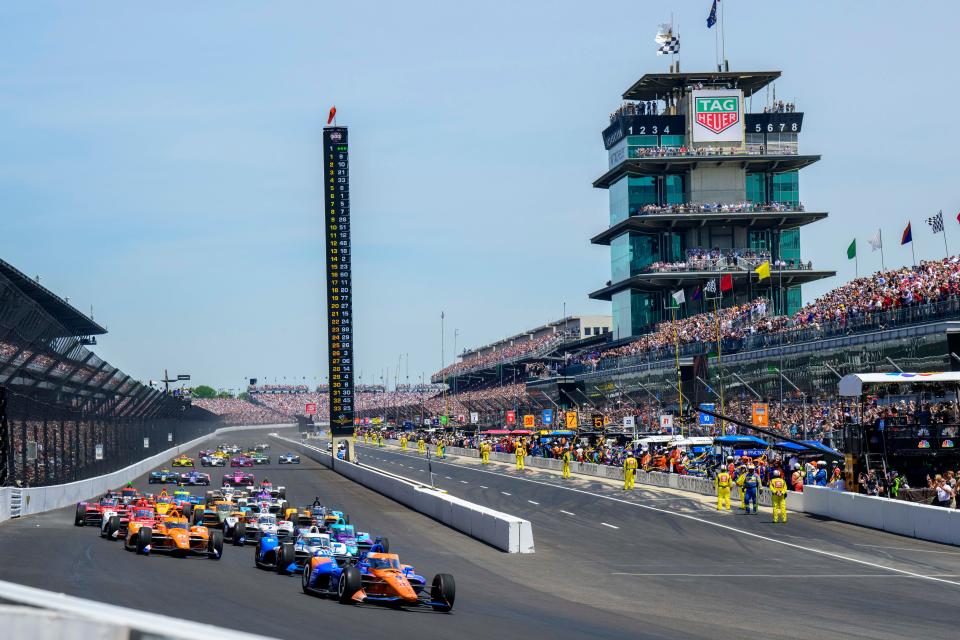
x=98, y=451
x=311, y=409
x=146, y=443
x=717, y=115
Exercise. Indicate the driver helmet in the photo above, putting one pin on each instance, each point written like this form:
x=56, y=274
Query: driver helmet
x=776, y=473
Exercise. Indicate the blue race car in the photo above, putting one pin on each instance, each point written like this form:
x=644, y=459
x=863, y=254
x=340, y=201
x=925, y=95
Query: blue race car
x=164, y=476
x=289, y=458
x=376, y=578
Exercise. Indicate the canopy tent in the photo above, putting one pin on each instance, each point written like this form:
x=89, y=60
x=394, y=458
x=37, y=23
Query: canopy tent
x=521, y=432
x=495, y=432
x=695, y=441
x=808, y=445
x=740, y=441
x=558, y=433
x=851, y=385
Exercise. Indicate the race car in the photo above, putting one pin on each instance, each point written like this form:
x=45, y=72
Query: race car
x=213, y=461
x=344, y=534
x=289, y=458
x=117, y=524
x=222, y=515
x=92, y=513
x=128, y=494
x=275, y=491
x=378, y=578
x=312, y=542
x=241, y=461
x=267, y=524
x=164, y=476
x=260, y=458
x=182, y=461
x=163, y=503
x=238, y=479
x=182, y=496
x=195, y=478
x=261, y=446
x=173, y=534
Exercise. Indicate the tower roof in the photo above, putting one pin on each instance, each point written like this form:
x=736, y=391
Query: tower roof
x=657, y=85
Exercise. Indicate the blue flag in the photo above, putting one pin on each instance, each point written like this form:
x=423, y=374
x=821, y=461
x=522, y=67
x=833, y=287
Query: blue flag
x=712, y=18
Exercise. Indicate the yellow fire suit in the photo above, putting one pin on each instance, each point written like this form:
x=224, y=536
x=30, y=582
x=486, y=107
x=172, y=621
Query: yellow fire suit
x=743, y=494
x=421, y=446
x=629, y=472
x=723, y=482
x=403, y=444
x=521, y=453
x=485, y=453
x=439, y=449
x=566, y=463
x=778, y=489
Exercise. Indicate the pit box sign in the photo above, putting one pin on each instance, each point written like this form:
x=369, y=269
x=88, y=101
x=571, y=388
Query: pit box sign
x=760, y=414
x=310, y=409
x=511, y=417
x=98, y=451
x=629, y=422
x=571, y=419
x=474, y=417
x=717, y=115
x=706, y=420
x=666, y=421
x=597, y=420
x=528, y=421
x=547, y=417
x=146, y=443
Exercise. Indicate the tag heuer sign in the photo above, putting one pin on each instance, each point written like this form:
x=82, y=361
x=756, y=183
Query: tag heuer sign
x=717, y=115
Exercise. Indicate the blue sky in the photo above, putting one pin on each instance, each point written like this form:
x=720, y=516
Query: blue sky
x=160, y=161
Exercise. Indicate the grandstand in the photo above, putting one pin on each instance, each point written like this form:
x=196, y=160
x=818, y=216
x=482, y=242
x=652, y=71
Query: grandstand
x=66, y=414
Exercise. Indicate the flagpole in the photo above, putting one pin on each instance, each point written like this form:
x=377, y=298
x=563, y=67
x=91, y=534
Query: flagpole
x=676, y=342
x=945, y=249
x=883, y=267
x=723, y=37
x=716, y=312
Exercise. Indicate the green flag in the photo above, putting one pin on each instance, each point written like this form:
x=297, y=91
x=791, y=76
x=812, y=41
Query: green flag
x=444, y=420
x=852, y=250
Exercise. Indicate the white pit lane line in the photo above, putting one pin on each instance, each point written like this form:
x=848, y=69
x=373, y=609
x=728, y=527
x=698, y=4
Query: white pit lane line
x=567, y=512
x=612, y=526
x=720, y=525
x=812, y=576
x=533, y=502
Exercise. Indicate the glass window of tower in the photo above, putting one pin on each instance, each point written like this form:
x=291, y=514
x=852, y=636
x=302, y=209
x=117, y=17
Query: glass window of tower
x=790, y=244
x=756, y=187
x=631, y=253
x=633, y=311
x=786, y=187
x=759, y=240
x=673, y=188
x=671, y=141
x=629, y=195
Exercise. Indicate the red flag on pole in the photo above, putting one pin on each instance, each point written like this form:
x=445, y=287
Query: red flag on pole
x=333, y=114
x=726, y=282
x=958, y=216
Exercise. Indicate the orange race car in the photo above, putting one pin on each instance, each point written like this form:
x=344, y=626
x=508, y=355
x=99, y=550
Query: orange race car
x=173, y=534
x=377, y=578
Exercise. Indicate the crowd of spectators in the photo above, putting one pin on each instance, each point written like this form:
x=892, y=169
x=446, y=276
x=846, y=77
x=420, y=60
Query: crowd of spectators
x=668, y=151
x=780, y=106
x=518, y=347
x=641, y=108
x=236, y=411
x=722, y=207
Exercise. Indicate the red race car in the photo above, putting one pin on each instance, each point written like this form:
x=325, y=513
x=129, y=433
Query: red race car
x=238, y=479
x=141, y=512
x=92, y=513
x=241, y=461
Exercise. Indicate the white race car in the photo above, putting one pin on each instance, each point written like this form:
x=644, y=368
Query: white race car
x=289, y=458
x=311, y=543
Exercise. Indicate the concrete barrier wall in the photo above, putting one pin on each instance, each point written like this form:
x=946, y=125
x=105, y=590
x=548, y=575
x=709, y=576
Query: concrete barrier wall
x=922, y=521
x=40, y=499
x=501, y=530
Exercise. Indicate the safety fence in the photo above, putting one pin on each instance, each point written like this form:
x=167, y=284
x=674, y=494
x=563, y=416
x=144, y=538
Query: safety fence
x=21, y=502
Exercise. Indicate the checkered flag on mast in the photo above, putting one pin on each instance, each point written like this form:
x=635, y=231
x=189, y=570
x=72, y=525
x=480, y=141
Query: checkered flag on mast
x=669, y=44
x=936, y=222
x=711, y=286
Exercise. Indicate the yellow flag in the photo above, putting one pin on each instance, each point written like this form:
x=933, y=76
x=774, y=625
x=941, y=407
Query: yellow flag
x=763, y=270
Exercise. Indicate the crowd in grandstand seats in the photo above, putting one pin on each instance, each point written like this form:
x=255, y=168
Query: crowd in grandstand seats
x=278, y=388
x=237, y=411
x=520, y=347
x=780, y=107
x=726, y=260
x=722, y=207
x=642, y=108
x=708, y=151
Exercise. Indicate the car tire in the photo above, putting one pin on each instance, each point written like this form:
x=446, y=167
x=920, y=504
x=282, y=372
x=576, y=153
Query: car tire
x=256, y=557
x=285, y=555
x=187, y=508
x=236, y=534
x=81, y=512
x=305, y=578
x=112, y=527
x=385, y=543
x=346, y=518
x=443, y=589
x=350, y=582
x=215, y=545
x=144, y=536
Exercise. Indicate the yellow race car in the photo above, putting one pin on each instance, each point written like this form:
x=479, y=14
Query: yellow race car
x=182, y=461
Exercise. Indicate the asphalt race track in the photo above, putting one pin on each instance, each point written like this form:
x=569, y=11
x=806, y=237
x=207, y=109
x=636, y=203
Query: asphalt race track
x=649, y=564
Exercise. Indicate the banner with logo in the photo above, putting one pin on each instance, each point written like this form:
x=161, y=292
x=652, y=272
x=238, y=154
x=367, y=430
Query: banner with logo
x=528, y=421
x=547, y=417
x=511, y=417
x=474, y=417
x=717, y=115
x=571, y=419
x=311, y=409
x=760, y=417
x=666, y=421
